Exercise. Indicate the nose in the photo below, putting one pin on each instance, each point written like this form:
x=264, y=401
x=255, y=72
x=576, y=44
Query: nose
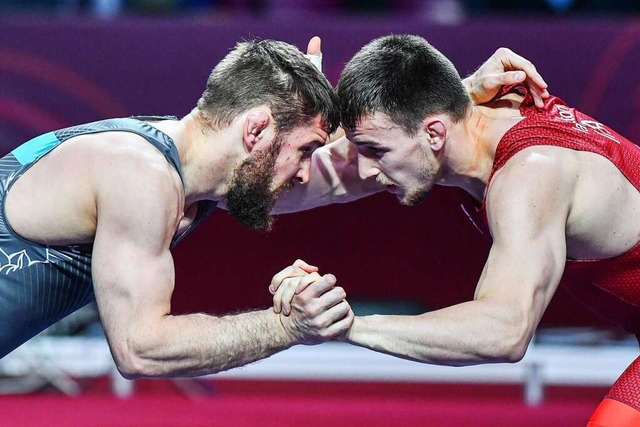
x=304, y=172
x=366, y=167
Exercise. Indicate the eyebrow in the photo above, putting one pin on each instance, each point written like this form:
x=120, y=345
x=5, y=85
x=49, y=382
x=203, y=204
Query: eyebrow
x=366, y=143
x=313, y=145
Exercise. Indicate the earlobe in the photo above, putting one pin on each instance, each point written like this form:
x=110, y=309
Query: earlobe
x=255, y=124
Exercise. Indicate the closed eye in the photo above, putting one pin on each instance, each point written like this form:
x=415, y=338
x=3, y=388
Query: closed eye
x=371, y=151
x=308, y=150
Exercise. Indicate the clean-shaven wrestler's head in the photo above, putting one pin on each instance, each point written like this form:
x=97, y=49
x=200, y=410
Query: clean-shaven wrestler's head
x=397, y=96
x=302, y=111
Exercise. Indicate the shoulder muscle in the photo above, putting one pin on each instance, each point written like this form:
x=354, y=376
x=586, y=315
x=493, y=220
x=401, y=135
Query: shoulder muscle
x=532, y=192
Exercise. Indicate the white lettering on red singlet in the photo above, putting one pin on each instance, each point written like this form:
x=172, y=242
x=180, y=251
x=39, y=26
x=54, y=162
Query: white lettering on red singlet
x=568, y=114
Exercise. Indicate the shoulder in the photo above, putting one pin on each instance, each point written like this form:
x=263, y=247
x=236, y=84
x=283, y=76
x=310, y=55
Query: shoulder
x=124, y=155
x=132, y=178
x=537, y=163
x=535, y=187
x=127, y=148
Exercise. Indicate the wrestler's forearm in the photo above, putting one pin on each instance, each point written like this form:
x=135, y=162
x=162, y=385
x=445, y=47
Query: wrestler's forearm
x=460, y=335
x=199, y=344
x=333, y=178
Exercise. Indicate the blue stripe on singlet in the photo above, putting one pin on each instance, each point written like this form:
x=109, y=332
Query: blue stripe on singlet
x=34, y=148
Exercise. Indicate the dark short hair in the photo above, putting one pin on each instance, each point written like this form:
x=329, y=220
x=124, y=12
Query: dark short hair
x=404, y=77
x=272, y=73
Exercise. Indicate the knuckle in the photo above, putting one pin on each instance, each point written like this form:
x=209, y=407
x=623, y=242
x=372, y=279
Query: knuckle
x=291, y=287
x=303, y=299
x=344, y=308
x=314, y=310
x=331, y=278
x=310, y=278
x=291, y=281
x=339, y=293
x=314, y=326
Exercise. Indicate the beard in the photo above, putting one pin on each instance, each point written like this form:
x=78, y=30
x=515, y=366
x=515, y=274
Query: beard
x=410, y=197
x=251, y=199
x=417, y=195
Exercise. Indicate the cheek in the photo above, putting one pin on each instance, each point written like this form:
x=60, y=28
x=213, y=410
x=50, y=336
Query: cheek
x=401, y=171
x=287, y=168
x=392, y=166
x=286, y=157
x=283, y=162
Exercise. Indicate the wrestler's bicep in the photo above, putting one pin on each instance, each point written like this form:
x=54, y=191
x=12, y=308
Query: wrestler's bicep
x=132, y=267
x=527, y=207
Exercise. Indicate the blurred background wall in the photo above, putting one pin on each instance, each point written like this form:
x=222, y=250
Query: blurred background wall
x=71, y=61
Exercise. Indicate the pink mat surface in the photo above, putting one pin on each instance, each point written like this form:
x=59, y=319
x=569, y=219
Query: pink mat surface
x=301, y=404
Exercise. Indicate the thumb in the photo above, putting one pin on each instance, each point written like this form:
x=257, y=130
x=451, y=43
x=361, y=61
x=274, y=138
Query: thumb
x=314, y=46
x=305, y=266
x=314, y=52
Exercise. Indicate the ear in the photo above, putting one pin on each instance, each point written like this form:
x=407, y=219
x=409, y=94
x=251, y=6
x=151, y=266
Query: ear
x=255, y=123
x=436, y=131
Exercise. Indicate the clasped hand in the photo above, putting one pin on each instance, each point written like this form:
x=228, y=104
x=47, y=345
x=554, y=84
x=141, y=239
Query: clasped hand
x=311, y=306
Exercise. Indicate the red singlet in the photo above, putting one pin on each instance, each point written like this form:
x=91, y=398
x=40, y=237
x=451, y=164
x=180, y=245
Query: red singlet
x=610, y=287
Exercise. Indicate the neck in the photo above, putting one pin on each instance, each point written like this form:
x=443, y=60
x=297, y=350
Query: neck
x=207, y=157
x=469, y=159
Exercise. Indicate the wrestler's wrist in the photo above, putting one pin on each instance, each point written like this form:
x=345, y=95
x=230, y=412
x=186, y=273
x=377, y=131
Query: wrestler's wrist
x=468, y=87
x=357, y=330
x=291, y=334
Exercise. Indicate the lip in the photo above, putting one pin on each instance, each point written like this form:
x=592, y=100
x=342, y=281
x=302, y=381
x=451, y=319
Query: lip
x=391, y=189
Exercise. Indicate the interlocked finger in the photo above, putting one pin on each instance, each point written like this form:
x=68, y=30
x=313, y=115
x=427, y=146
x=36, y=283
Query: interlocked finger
x=288, y=289
x=299, y=268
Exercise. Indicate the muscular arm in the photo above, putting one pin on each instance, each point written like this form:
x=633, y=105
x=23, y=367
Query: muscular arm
x=528, y=205
x=333, y=179
x=134, y=278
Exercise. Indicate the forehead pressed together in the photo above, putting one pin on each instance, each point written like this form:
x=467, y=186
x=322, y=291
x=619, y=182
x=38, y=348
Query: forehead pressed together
x=402, y=76
x=383, y=95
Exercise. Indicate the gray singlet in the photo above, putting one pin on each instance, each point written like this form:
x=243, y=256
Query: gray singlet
x=41, y=284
